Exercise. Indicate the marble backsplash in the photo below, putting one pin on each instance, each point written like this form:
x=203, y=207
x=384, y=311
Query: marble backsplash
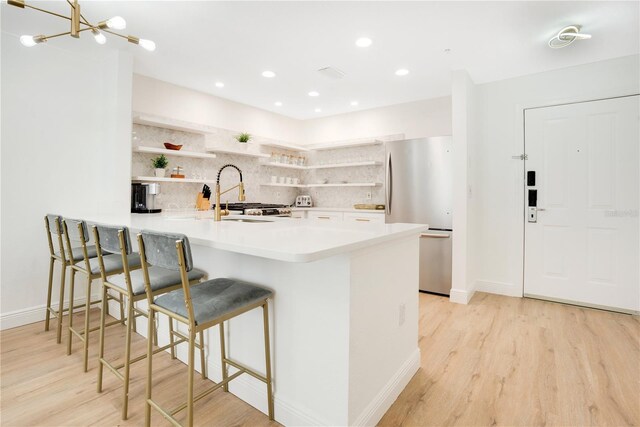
x=180, y=195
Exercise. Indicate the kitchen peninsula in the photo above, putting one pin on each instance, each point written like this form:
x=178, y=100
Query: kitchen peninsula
x=344, y=312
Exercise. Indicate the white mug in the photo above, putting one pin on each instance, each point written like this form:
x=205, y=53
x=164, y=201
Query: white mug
x=274, y=179
x=281, y=180
x=289, y=180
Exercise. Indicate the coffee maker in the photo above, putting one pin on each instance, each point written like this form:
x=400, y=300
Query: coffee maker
x=143, y=197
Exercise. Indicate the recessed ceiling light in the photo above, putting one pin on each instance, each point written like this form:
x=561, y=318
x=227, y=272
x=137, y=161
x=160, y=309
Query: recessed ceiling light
x=268, y=74
x=318, y=110
x=314, y=93
x=278, y=104
x=447, y=50
x=363, y=42
x=402, y=72
x=354, y=103
x=219, y=84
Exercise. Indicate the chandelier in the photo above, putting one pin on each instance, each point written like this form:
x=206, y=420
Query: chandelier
x=80, y=24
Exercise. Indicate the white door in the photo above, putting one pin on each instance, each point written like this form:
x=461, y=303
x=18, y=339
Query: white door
x=584, y=247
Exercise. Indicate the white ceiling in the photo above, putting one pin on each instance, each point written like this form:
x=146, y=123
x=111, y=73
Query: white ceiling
x=200, y=43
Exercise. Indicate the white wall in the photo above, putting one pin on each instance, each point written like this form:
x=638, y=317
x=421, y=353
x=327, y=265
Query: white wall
x=160, y=98
x=429, y=117
x=498, y=189
x=65, y=149
x=464, y=122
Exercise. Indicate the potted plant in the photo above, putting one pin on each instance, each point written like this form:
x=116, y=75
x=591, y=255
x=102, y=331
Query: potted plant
x=243, y=137
x=159, y=164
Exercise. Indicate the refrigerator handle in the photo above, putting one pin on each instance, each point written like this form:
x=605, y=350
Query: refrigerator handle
x=389, y=184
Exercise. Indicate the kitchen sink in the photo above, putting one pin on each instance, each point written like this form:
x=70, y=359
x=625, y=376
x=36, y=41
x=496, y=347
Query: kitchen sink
x=246, y=219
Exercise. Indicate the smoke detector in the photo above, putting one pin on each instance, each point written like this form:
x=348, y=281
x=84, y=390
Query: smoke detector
x=331, y=72
x=566, y=36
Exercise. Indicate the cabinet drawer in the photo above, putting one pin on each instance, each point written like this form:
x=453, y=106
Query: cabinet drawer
x=325, y=216
x=298, y=214
x=364, y=217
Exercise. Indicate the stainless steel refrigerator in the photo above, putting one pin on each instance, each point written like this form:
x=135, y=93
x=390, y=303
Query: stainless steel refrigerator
x=418, y=189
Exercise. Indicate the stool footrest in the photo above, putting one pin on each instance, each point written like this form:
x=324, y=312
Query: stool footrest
x=80, y=334
x=207, y=391
x=197, y=345
x=165, y=414
x=245, y=369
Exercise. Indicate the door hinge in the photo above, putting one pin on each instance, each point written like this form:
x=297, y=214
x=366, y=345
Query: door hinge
x=520, y=157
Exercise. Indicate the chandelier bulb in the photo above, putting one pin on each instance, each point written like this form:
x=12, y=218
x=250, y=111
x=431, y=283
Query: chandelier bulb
x=147, y=44
x=115, y=23
x=30, y=41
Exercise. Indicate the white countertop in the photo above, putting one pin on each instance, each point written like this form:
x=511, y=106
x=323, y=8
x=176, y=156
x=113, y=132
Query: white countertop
x=284, y=239
x=376, y=211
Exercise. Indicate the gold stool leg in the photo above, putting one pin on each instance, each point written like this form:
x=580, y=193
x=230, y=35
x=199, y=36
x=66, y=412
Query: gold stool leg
x=87, y=306
x=147, y=406
x=103, y=314
x=71, y=286
x=267, y=353
x=48, y=313
x=61, y=303
x=203, y=366
x=223, y=356
x=192, y=348
x=133, y=319
x=122, y=319
x=127, y=358
x=171, y=338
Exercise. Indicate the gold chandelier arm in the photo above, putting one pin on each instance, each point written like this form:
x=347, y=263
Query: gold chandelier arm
x=56, y=35
x=114, y=33
x=84, y=20
x=46, y=11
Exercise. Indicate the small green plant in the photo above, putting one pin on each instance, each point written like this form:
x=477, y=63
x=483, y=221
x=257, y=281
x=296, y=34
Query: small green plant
x=243, y=137
x=160, y=162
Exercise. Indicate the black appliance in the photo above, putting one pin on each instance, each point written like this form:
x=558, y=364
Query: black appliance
x=143, y=197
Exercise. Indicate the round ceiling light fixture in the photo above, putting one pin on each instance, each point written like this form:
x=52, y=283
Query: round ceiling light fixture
x=313, y=93
x=278, y=104
x=318, y=110
x=268, y=74
x=363, y=42
x=219, y=84
x=402, y=72
x=354, y=103
x=566, y=36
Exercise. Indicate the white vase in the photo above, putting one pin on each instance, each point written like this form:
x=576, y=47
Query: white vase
x=160, y=173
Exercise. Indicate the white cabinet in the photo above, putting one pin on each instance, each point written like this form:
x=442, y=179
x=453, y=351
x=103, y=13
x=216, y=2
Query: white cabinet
x=325, y=216
x=364, y=217
x=298, y=214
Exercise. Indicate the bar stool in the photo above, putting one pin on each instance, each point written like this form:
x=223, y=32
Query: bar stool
x=130, y=285
x=77, y=229
x=54, y=229
x=199, y=307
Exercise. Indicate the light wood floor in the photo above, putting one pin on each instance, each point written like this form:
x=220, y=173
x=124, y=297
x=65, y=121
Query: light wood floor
x=497, y=361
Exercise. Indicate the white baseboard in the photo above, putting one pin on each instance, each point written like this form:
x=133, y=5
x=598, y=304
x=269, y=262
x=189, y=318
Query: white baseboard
x=376, y=409
x=499, y=288
x=461, y=296
x=254, y=392
x=25, y=316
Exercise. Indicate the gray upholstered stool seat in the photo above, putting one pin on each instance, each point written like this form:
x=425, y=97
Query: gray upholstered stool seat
x=158, y=276
x=112, y=262
x=213, y=298
x=78, y=255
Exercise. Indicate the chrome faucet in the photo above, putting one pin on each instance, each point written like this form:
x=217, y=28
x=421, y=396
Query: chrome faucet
x=219, y=213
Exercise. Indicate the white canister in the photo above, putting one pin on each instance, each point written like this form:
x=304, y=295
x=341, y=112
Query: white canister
x=281, y=180
x=289, y=180
x=274, y=179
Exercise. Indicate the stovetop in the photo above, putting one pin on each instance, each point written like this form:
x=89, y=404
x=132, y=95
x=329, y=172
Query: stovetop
x=243, y=206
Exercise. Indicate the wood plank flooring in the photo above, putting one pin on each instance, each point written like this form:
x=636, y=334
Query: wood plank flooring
x=497, y=361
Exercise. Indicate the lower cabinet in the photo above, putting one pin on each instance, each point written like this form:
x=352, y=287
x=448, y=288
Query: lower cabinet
x=325, y=216
x=332, y=216
x=364, y=217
